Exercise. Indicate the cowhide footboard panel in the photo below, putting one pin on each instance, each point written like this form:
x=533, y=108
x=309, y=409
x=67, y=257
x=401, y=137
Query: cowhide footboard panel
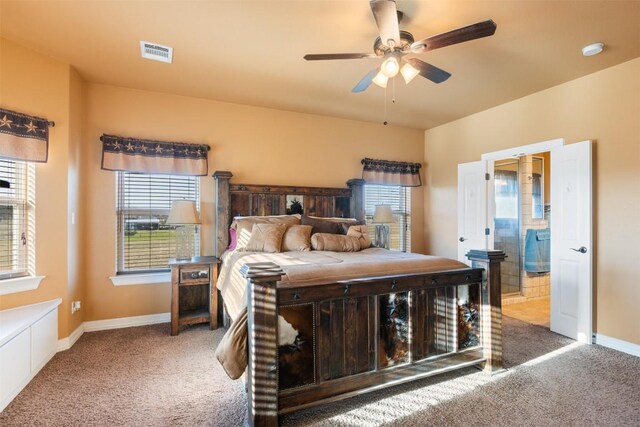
x=316, y=344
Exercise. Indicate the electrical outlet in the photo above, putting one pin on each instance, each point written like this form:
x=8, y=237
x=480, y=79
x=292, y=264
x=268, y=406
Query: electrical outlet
x=75, y=306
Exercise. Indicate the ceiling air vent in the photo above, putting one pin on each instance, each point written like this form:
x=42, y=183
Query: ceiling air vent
x=156, y=52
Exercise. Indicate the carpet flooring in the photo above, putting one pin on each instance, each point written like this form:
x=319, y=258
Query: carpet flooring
x=144, y=377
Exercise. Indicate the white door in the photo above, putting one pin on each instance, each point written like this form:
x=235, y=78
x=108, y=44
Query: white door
x=571, y=241
x=472, y=208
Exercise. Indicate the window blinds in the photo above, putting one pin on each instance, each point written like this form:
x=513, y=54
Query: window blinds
x=16, y=219
x=145, y=242
x=400, y=200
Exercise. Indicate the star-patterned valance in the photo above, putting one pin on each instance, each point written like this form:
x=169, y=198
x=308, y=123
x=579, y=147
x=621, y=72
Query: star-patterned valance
x=387, y=172
x=146, y=156
x=23, y=137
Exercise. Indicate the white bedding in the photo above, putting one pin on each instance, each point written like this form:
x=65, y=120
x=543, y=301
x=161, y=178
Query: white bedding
x=315, y=267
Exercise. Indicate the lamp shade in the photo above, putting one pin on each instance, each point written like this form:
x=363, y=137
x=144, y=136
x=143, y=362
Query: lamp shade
x=183, y=212
x=408, y=72
x=381, y=80
x=383, y=215
x=390, y=67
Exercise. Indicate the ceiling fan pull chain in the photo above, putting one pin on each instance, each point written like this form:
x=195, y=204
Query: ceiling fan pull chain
x=393, y=97
x=385, y=107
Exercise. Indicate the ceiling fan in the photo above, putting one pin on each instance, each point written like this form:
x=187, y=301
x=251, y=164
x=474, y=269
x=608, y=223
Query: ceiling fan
x=393, y=44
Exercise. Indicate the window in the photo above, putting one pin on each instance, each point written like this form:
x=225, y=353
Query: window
x=400, y=200
x=145, y=243
x=17, y=219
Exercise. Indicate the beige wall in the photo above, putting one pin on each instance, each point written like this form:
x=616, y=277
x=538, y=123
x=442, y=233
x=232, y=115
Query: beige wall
x=257, y=145
x=603, y=107
x=38, y=85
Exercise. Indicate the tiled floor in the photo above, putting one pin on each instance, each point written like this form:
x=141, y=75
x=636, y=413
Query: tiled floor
x=536, y=312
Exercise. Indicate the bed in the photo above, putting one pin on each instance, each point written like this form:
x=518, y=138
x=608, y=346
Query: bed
x=323, y=326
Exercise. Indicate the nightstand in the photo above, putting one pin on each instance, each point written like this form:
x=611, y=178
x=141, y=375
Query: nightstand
x=194, y=298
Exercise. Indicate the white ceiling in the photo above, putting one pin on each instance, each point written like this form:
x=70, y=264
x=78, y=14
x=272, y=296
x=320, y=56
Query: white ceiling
x=250, y=52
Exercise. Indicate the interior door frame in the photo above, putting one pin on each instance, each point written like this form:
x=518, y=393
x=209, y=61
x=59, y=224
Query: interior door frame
x=539, y=147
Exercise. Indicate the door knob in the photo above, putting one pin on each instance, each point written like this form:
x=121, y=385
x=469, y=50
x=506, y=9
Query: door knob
x=581, y=249
x=462, y=239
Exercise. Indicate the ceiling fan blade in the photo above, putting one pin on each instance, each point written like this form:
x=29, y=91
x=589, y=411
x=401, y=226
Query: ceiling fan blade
x=386, y=15
x=366, y=81
x=470, y=32
x=325, y=56
x=428, y=71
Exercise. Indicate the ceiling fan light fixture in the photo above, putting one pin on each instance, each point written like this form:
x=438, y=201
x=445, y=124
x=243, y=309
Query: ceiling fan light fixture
x=390, y=67
x=381, y=80
x=408, y=72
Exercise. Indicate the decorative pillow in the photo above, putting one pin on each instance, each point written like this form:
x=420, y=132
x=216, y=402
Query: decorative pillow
x=362, y=234
x=265, y=238
x=233, y=239
x=271, y=219
x=344, y=223
x=297, y=238
x=244, y=225
x=321, y=225
x=344, y=226
x=334, y=242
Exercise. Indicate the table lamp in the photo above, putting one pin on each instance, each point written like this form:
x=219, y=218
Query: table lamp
x=184, y=216
x=382, y=216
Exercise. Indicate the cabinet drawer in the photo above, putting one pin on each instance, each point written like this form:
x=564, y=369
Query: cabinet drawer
x=44, y=339
x=193, y=275
x=15, y=369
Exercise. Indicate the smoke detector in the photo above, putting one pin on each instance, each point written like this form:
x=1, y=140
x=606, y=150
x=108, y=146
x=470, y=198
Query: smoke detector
x=156, y=52
x=592, y=49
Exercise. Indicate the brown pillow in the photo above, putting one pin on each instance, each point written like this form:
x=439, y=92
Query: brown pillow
x=297, y=238
x=321, y=225
x=362, y=234
x=344, y=223
x=334, y=242
x=244, y=225
x=265, y=238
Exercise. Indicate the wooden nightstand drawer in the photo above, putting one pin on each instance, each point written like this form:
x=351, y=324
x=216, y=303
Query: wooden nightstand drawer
x=191, y=275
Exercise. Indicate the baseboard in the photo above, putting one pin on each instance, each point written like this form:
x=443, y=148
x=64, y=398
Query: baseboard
x=620, y=345
x=104, y=325
x=68, y=342
x=126, y=322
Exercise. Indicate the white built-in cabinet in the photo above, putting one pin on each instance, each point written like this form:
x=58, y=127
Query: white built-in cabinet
x=28, y=340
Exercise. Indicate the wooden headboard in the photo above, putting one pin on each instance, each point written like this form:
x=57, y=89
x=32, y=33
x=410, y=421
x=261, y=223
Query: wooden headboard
x=256, y=200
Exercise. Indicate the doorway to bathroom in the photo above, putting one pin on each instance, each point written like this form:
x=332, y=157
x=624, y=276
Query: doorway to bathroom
x=522, y=230
x=571, y=232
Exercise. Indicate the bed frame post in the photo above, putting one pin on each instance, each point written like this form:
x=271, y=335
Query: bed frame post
x=223, y=210
x=357, y=198
x=491, y=306
x=262, y=378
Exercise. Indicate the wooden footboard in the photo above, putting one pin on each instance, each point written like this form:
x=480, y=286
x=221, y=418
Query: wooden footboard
x=342, y=339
